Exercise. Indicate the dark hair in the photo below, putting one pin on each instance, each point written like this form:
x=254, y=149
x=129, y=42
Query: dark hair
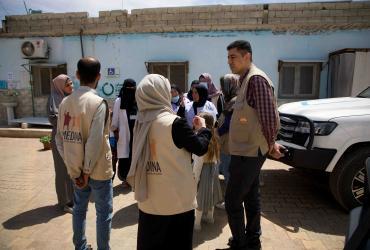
x=194, y=82
x=241, y=45
x=175, y=87
x=88, y=69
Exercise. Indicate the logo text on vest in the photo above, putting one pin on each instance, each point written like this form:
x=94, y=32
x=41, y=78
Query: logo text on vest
x=153, y=168
x=72, y=136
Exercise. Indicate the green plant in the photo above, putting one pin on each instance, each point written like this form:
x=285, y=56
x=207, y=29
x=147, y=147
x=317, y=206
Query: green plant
x=45, y=139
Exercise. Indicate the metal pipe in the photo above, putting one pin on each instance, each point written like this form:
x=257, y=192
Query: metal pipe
x=32, y=94
x=31, y=86
x=82, y=47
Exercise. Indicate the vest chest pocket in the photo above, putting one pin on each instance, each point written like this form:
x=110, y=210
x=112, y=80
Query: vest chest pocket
x=239, y=126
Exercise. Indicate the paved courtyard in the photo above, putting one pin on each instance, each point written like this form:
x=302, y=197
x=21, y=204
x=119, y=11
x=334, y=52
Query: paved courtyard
x=298, y=212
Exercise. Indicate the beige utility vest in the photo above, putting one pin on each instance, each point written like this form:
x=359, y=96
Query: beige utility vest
x=76, y=113
x=245, y=134
x=170, y=182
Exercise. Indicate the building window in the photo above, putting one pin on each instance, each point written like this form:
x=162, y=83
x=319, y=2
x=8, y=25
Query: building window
x=43, y=74
x=299, y=80
x=175, y=72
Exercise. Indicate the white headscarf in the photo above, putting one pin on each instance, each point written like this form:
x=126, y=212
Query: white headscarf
x=57, y=94
x=153, y=97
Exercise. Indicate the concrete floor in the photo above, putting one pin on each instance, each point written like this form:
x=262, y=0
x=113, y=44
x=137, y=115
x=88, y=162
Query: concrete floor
x=298, y=213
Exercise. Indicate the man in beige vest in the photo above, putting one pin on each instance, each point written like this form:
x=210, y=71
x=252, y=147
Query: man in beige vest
x=82, y=139
x=253, y=129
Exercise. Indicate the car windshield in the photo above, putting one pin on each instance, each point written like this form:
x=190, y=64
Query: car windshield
x=365, y=93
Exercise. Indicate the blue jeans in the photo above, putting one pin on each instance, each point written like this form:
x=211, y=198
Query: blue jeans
x=224, y=166
x=103, y=197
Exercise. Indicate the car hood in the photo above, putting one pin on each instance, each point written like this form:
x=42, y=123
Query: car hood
x=328, y=108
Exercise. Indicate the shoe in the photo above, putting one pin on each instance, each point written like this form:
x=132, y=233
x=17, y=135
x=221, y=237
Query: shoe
x=125, y=184
x=254, y=244
x=221, y=205
x=68, y=209
x=230, y=241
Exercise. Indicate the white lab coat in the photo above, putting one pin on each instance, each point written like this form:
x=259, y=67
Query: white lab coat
x=119, y=121
x=208, y=107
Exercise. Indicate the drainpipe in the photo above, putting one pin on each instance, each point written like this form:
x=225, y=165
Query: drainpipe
x=28, y=69
x=82, y=47
x=32, y=94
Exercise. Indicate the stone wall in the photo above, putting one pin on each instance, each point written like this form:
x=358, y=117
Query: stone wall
x=292, y=17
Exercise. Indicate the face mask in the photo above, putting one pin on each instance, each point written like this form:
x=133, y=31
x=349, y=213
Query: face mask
x=175, y=99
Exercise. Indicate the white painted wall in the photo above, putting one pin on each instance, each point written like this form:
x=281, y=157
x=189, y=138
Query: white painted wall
x=206, y=52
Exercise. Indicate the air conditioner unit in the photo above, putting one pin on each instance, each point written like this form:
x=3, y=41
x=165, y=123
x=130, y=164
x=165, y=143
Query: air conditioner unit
x=35, y=49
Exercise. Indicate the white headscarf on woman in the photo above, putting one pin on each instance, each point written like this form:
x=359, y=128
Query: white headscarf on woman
x=57, y=94
x=153, y=97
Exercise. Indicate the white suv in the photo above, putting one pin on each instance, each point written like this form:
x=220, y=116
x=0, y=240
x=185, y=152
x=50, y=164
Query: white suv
x=331, y=135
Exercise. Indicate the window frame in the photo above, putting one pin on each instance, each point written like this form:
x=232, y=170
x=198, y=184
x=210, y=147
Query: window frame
x=150, y=64
x=38, y=86
x=317, y=67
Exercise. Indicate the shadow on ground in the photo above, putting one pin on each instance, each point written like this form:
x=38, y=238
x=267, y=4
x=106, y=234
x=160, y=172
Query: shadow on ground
x=126, y=216
x=33, y=217
x=211, y=231
x=119, y=189
x=295, y=199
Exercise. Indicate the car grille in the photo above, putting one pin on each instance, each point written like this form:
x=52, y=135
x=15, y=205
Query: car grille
x=290, y=131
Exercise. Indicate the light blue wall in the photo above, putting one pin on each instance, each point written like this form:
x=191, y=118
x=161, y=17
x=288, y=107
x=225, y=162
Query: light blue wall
x=206, y=52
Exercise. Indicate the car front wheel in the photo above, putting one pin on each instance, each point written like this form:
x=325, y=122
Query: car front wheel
x=348, y=178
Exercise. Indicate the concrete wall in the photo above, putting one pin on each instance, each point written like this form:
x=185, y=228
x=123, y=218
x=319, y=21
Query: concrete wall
x=297, y=17
x=128, y=49
x=205, y=51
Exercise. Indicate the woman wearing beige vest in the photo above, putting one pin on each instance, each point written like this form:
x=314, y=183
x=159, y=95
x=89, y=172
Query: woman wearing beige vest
x=161, y=172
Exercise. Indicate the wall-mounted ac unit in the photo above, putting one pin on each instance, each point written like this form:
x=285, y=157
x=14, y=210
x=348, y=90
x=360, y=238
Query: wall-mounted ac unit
x=35, y=49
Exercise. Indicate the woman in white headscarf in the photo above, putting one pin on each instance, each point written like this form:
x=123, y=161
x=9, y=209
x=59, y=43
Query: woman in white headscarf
x=61, y=86
x=229, y=87
x=161, y=172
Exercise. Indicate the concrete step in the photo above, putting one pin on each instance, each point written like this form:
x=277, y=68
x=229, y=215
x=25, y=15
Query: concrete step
x=29, y=127
x=24, y=133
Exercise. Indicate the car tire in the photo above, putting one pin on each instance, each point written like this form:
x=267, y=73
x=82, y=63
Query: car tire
x=347, y=176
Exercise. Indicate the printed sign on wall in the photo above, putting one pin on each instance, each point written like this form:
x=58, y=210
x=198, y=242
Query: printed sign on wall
x=112, y=72
x=109, y=89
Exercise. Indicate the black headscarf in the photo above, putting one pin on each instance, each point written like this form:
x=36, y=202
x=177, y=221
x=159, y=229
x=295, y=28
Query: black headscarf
x=189, y=96
x=127, y=95
x=203, y=96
